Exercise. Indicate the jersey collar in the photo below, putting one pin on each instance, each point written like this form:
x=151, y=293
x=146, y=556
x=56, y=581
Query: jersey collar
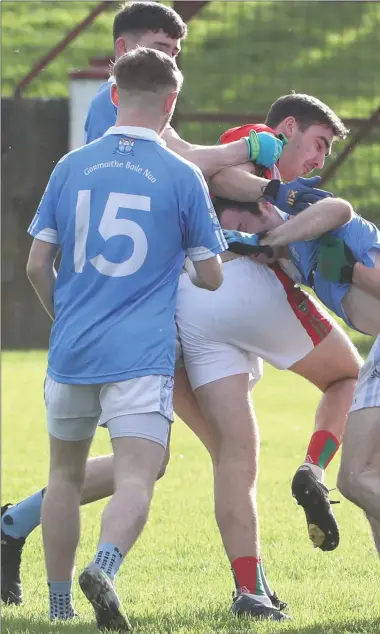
x=136, y=132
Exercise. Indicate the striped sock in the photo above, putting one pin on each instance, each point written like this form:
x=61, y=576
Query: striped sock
x=61, y=605
x=248, y=578
x=266, y=585
x=321, y=450
x=109, y=559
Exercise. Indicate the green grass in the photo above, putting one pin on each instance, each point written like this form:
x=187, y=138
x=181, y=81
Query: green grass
x=177, y=579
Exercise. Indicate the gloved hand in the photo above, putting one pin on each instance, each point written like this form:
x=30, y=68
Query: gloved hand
x=296, y=195
x=246, y=243
x=335, y=260
x=264, y=148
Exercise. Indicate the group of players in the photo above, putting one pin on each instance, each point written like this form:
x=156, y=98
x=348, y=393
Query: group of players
x=129, y=314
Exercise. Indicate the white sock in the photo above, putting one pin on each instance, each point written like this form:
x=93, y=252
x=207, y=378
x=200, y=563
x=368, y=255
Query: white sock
x=318, y=472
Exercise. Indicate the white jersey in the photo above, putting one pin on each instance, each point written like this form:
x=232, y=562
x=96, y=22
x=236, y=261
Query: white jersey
x=367, y=392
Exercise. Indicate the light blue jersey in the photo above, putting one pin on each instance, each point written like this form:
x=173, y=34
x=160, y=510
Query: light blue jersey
x=102, y=113
x=124, y=210
x=361, y=236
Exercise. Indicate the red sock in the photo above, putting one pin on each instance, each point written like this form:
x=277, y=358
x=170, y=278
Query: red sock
x=247, y=575
x=322, y=448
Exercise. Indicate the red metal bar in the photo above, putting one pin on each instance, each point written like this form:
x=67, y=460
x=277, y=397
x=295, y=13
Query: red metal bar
x=363, y=131
x=56, y=50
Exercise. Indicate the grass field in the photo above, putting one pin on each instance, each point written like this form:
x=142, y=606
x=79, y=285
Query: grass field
x=177, y=579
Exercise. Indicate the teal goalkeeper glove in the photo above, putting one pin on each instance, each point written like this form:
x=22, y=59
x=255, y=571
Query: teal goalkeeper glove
x=335, y=261
x=264, y=148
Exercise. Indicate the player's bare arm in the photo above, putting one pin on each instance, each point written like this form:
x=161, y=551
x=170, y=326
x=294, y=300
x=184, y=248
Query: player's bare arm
x=323, y=216
x=238, y=183
x=41, y=272
x=211, y=159
x=206, y=274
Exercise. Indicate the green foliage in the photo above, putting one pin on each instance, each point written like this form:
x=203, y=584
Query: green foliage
x=177, y=579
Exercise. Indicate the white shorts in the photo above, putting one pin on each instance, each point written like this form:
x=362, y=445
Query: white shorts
x=74, y=411
x=257, y=313
x=367, y=391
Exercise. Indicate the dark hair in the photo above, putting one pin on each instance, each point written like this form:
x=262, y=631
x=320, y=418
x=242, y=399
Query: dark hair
x=145, y=69
x=137, y=17
x=307, y=111
x=221, y=204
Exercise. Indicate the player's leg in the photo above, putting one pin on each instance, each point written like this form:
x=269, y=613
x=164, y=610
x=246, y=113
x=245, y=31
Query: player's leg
x=359, y=475
x=72, y=414
x=188, y=410
x=19, y=520
x=375, y=528
x=332, y=366
x=227, y=407
x=139, y=442
x=60, y=520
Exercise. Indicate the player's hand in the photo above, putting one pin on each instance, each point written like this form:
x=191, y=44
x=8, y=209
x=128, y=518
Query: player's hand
x=264, y=148
x=246, y=243
x=335, y=260
x=296, y=195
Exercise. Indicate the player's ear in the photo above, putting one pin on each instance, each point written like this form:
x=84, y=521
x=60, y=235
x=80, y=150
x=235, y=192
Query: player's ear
x=120, y=47
x=289, y=126
x=170, y=102
x=114, y=95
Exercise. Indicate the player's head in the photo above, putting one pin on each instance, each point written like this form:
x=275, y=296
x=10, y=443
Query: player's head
x=310, y=127
x=248, y=217
x=147, y=83
x=148, y=24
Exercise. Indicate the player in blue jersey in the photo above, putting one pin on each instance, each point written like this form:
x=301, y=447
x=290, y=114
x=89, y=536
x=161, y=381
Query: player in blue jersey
x=123, y=211
x=336, y=253
x=18, y=521
x=158, y=26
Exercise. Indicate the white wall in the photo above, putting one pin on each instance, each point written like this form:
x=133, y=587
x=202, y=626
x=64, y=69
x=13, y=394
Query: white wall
x=82, y=92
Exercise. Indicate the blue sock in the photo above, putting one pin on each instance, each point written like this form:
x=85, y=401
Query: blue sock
x=20, y=520
x=61, y=605
x=109, y=559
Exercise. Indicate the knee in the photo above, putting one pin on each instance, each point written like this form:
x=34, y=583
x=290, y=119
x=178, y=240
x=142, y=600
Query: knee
x=357, y=482
x=60, y=479
x=238, y=464
x=347, y=483
x=165, y=462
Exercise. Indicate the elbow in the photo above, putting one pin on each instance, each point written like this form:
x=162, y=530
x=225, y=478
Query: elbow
x=212, y=284
x=33, y=270
x=343, y=210
x=216, y=184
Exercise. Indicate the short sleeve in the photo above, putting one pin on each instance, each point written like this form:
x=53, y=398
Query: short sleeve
x=44, y=224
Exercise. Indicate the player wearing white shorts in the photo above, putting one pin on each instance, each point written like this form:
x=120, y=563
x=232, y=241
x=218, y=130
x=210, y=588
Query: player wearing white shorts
x=112, y=345
x=156, y=26
x=338, y=368
x=340, y=260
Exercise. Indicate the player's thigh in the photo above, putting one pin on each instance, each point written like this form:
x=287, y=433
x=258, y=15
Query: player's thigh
x=68, y=460
x=361, y=441
x=187, y=408
x=72, y=411
x=334, y=358
x=227, y=407
x=136, y=459
x=139, y=408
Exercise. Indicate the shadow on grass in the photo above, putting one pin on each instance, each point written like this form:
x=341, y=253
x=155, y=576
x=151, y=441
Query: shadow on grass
x=202, y=621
